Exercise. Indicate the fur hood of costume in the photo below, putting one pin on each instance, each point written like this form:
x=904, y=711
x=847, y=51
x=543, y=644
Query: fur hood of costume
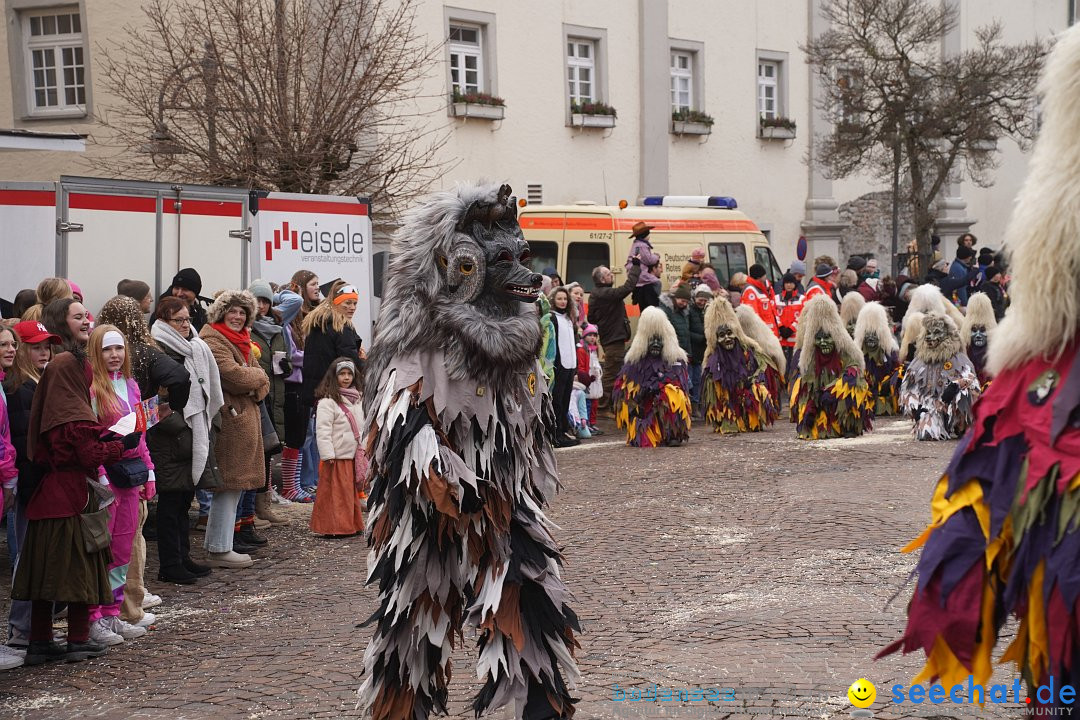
x=910, y=333
x=720, y=313
x=947, y=349
x=821, y=314
x=873, y=318
x=226, y=298
x=928, y=298
x=652, y=322
x=979, y=312
x=850, y=307
x=427, y=305
x=756, y=329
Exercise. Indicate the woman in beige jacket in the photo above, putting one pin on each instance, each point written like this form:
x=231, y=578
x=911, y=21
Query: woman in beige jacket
x=343, y=466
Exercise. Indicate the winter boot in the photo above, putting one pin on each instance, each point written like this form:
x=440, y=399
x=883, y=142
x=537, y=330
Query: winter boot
x=264, y=512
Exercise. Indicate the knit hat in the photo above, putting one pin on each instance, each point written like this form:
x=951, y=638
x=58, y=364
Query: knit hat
x=942, y=265
x=963, y=252
x=788, y=278
x=704, y=290
x=798, y=267
x=985, y=251
x=823, y=270
x=856, y=263
x=75, y=288
x=261, y=289
x=188, y=279
x=590, y=329
x=698, y=256
x=990, y=272
x=757, y=271
x=137, y=290
x=681, y=293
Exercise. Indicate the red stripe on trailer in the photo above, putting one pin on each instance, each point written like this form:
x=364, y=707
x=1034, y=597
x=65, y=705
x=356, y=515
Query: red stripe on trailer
x=215, y=208
x=123, y=203
x=36, y=198
x=312, y=206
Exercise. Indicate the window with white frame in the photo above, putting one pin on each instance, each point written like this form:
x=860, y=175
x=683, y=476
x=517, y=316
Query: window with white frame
x=768, y=75
x=581, y=70
x=682, y=81
x=55, y=62
x=466, y=59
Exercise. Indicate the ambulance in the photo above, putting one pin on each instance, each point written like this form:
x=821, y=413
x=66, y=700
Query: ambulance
x=574, y=239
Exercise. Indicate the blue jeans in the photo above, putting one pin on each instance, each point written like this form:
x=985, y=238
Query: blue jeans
x=695, y=383
x=204, y=496
x=309, y=467
x=12, y=536
x=19, y=613
x=246, y=506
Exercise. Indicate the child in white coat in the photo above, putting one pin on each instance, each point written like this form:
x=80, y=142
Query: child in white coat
x=339, y=417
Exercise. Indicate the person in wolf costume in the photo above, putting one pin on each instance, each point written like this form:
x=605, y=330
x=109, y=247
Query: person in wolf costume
x=650, y=394
x=1003, y=538
x=873, y=335
x=850, y=307
x=830, y=396
x=736, y=394
x=940, y=387
x=459, y=440
x=770, y=355
x=979, y=324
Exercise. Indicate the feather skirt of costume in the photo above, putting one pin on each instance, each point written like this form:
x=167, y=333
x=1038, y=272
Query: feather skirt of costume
x=458, y=475
x=833, y=401
x=793, y=385
x=883, y=379
x=650, y=402
x=1004, y=536
x=735, y=391
x=774, y=383
x=921, y=397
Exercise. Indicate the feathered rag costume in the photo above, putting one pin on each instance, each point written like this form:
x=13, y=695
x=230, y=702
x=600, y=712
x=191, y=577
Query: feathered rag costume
x=770, y=355
x=975, y=332
x=940, y=387
x=831, y=398
x=873, y=335
x=1004, y=537
x=649, y=397
x=458, y=436
x=735, y=388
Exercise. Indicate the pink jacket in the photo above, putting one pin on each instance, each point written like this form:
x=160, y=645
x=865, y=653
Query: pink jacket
x=132, y=401
x=8, y=473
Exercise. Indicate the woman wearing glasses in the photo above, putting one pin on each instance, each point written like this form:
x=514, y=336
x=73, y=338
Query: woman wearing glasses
x=182, y=443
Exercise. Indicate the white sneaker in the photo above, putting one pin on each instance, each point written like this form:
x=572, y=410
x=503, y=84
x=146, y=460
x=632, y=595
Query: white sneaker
x=277, y=499
x=126, y=630
x=11, y=657
x=150, y=600
x=101, y=632
x=148, y=619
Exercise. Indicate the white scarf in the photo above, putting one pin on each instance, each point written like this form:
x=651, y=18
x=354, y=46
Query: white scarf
x=205, y=398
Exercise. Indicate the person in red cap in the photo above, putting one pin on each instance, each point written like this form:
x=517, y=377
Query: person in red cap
x=760, y=295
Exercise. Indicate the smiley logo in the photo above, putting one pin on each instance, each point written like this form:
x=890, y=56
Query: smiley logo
x=862, y=693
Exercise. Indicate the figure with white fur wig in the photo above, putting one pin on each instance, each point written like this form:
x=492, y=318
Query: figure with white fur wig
x=650, y=397
x=929, y=298
x=978, y=326
x=458, y=432
x=850, y=307
x=735, y=392
x=770, y=356
x=831, y=397
x=940, y=387
x=873, y=335
x=1003, y=542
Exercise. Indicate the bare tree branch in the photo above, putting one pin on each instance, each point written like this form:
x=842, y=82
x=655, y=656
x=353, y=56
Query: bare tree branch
x=888, y=89
x=308, y=97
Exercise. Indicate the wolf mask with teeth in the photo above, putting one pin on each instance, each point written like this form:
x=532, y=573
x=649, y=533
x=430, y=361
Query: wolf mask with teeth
x=458, y=430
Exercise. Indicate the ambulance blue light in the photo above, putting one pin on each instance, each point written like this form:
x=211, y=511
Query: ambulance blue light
x=727, y=203
x=653, y=200
x=688, y=201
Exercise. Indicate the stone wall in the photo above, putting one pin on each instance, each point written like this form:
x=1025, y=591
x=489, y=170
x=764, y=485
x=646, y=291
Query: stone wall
x=869, y=229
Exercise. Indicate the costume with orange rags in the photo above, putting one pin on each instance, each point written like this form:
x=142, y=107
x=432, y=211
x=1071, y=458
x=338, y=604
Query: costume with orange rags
x=650, y=394
x=1004, y=536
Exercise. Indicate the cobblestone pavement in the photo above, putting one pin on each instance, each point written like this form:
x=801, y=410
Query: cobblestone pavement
x=755, y=562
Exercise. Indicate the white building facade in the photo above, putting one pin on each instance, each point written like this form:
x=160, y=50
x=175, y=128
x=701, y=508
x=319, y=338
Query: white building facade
x=734, y=60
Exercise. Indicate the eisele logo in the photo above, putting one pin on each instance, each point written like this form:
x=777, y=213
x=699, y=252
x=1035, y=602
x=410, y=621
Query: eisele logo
x=348, y=242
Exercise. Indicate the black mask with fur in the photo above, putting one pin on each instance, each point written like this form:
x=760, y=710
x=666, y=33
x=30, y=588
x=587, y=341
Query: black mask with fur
x=457, y=281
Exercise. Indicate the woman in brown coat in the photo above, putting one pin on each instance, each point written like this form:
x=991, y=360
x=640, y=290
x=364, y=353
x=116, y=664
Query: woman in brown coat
x=239, y=447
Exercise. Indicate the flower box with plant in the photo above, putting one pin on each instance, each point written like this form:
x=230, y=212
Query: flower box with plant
x=777, y=128
x=592, y=114
x=479, y=105
x=691, y=122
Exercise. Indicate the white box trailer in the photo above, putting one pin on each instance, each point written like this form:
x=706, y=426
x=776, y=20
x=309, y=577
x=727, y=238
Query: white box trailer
x=99, y=231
